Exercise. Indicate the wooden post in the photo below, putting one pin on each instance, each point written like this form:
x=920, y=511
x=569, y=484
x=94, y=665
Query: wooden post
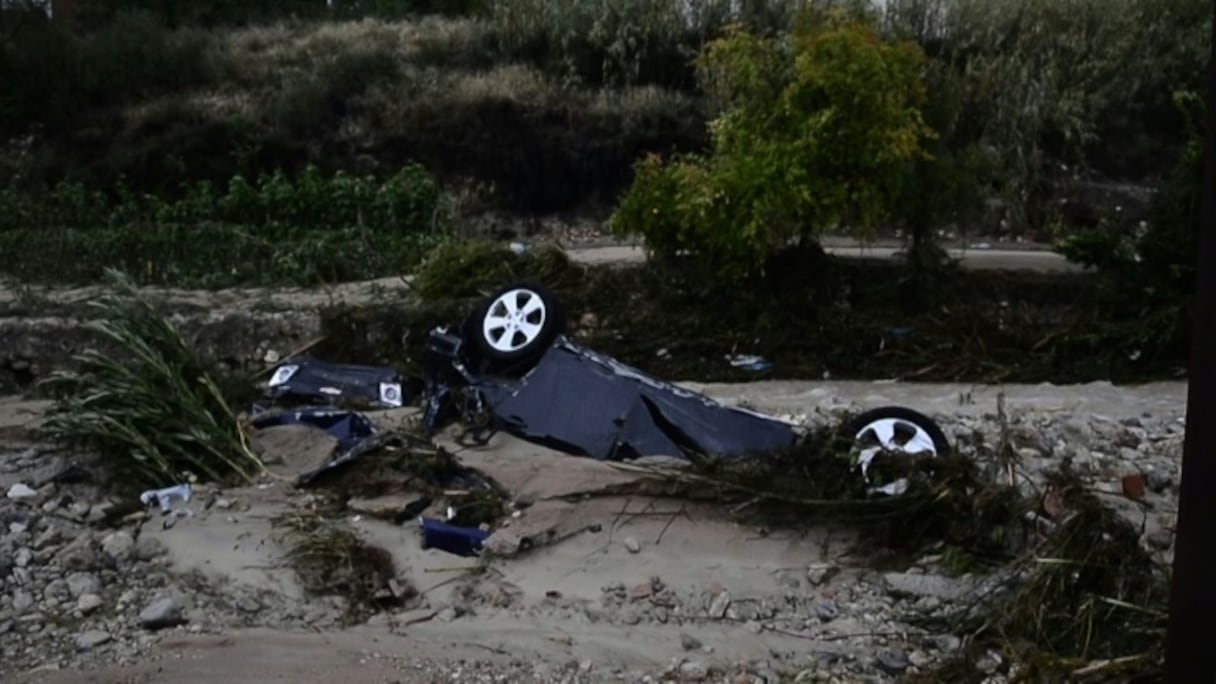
x=1189, y=656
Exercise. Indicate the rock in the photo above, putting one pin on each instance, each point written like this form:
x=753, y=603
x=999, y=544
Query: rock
x=641, y=592
x=21, y=492
x=892, y=661
x=989, y=663
x=946, y=643
x=385, y=507
x=79, y=554
x=905, y=585
x=118, y=545
x=162, y=613
x=447, y=614
x=720, y=604
x=1158, y=480
x=87, y=603
x=91, y=639
x=22, y=601
x=23, y=557
x=148, y=548
x=413, y=617
x=632, y=545
x=1160, y=539
x=694, y=670
x=81, y=583
x=819, y=574
x=826, y=611
x=57, y=592
x=690, y=643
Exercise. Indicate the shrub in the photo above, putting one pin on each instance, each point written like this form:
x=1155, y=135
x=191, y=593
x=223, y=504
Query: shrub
x=408, y=202
x=149, y=406
x=468, y=269
x=1157, y=263
x=813, y=133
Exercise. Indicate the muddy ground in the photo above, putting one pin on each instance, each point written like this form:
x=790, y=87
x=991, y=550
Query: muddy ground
x=628, y=585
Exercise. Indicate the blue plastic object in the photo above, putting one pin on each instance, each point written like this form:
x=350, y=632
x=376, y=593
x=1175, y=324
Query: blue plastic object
x=462, y=541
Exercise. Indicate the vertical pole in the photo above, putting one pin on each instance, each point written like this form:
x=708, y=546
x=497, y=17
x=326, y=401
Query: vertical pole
x=1189, y=641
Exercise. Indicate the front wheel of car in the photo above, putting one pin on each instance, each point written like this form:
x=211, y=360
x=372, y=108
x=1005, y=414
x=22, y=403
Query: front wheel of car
x=516, y=324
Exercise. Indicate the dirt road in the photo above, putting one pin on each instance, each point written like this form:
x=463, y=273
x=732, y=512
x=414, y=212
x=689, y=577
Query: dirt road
x=975, y=258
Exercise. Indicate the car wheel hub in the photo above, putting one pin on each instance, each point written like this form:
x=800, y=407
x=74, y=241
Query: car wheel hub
x=514, y=320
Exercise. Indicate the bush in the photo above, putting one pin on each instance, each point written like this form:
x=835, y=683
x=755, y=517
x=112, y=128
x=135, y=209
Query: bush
x=469, y=269
x=51, y=75
x=149, y=406
x=1155, y=264
x=408, y=202
x=814, y=133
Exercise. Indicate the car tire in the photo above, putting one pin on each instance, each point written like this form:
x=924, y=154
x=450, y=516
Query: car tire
x=514, y=326
x=905, y=421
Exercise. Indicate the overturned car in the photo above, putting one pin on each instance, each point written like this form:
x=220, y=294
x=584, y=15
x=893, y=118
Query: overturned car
x=510, y=366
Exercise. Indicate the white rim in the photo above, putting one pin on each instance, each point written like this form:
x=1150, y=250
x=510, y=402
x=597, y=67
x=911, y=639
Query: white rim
x=514, y=320
x=892, y=435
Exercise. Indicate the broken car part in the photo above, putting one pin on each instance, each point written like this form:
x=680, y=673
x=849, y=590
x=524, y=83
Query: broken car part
x=353, y=432
x=462, y=541
x=895, y=430
x=312, y=381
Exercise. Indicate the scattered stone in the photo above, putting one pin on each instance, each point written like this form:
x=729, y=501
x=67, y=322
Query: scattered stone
x=21, y=492
x=413, y=617
x=1161, y=539
x=720, y=604
x=162, y=613
x=118, y=545
x=1158, y=480
x=91, y=639
x=23, y=557
x=87, y=603
x=826, y=611
x=81, y=583
x=690, y=642
x=892, y=661
x=385, y=507
x=632, y=545
x=447, y=614
x=694, y=670
x=819, y=574
x=22, y=601
x=148, y=548
x=907, y=585
x=641, y=592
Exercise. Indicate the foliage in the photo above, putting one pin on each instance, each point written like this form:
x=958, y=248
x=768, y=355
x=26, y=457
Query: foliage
x=331, y=559
x=1156, y=264
x=814, y=133
x=1073, y=83
x=408, y=202
x=469, y=269
x=1086, y=600
x=208, y=255
x=275, y=230
x=51, y=75
x=148, y=405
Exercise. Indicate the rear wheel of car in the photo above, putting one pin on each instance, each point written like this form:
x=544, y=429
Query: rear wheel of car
x=515, y=325
x=899, y=431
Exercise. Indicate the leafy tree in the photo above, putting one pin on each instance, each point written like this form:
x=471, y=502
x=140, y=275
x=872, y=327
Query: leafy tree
x=812, y=131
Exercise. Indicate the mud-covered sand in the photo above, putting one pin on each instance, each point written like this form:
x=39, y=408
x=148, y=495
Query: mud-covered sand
x=629, y=584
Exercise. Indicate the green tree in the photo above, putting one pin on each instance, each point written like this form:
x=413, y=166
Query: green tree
x=811, y=131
